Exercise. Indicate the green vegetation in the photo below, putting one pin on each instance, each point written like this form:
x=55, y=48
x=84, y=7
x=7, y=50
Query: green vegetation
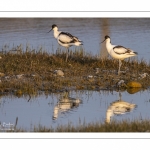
x=31, y=71
x=114, y=126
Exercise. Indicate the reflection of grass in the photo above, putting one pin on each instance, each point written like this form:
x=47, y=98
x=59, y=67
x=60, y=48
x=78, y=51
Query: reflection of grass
x=37, y=67
x=123, y=126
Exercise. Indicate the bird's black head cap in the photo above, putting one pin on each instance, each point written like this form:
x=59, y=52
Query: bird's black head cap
x=53, y=26
x=107, y=37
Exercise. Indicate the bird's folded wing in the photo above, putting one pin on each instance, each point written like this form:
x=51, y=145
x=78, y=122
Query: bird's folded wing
x=121, y=50
x=65, y=37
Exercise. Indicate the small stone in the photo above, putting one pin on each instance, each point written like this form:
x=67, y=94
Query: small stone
x=33, y=75
x=120, y=83
x=7, y=77
x=143, y=75
x=59, y=73
x=134, y=84
x=19, y=76
x=89, y=76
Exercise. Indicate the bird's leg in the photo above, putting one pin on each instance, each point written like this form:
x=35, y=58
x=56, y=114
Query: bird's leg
x=120, y=96
x=58, y=49
x=120, y=63
x=67, y=53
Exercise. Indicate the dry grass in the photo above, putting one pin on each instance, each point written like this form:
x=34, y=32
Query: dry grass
x=122, y=126
x=37, y=68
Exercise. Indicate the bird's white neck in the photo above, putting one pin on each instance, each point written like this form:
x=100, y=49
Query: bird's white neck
x=56, y=32
x=109, y=46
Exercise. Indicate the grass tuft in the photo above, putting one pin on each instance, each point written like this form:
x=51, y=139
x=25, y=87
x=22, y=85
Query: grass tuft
x=31, y=71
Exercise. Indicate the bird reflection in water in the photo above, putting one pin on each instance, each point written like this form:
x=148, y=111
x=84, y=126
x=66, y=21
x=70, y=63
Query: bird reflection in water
x=118, y=107
x=65, y=104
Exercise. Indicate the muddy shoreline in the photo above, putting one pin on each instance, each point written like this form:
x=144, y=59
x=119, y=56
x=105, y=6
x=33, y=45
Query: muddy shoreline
x=29, y=72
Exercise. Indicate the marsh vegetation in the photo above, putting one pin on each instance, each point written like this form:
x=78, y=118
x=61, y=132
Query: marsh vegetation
x=31, y=71
x=121, y=126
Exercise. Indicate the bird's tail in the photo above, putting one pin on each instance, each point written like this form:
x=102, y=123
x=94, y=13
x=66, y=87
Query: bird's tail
x=132, y=52
x=78, y=43
x=136, y=53
x=81, y=42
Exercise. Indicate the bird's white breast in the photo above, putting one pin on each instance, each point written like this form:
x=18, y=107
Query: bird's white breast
x=56, y=33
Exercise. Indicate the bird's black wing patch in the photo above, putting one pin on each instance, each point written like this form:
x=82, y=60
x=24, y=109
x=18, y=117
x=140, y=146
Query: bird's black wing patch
x=66, y=33
x=72, y=39
x=121, y=49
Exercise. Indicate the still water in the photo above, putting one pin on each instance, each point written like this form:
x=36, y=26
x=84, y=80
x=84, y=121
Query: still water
x=129, y=32
x=47, y=110
x=94, y=106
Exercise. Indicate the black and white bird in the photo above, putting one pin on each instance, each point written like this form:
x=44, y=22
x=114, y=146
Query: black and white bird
x=118, y=52
x=65, y=39
x=119, y=107
x=65, y=104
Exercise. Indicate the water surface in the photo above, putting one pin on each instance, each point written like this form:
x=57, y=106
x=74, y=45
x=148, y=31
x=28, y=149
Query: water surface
x=129, y=32
x=93, y=108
